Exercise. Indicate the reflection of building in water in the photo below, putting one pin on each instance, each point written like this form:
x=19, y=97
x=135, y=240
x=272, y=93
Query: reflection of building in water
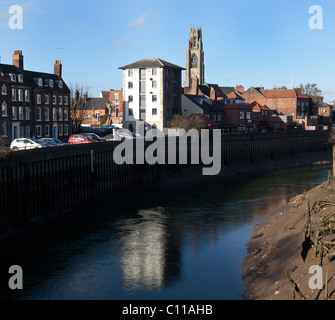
x=146, y=249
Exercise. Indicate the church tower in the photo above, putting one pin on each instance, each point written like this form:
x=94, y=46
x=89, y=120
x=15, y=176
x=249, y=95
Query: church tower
x=195, y=67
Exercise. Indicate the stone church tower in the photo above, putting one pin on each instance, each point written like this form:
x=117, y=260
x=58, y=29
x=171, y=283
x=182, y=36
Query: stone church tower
x=195, y=67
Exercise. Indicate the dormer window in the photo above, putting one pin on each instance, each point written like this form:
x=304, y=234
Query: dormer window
x=60, y=84
x=40, y=82
x=20, y=78
x=13, y=77
x=51, y=83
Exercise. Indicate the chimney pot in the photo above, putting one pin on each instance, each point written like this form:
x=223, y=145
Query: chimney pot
x=18, y=59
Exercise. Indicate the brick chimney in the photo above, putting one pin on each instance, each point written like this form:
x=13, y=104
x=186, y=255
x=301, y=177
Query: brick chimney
x=213, y=95
x=76, y=97
x=85, y=97
x=58, y=68
x=18, y=59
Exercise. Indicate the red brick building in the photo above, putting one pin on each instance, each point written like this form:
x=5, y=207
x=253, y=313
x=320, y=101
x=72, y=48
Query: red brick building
x=116, y=101
x=34, y=104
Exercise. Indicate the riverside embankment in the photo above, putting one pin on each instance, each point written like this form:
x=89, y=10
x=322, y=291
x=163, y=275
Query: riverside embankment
x=276, y=246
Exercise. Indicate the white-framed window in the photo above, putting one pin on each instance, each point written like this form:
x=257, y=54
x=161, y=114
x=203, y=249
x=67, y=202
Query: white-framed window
x=20, y=94
x=39, y=131
x=46, y=99
x=51, y=83
x=4, y=109
x=27, y=133
x=40, y=82
x=116, y=96
x=54, y=114
x=13, y=77
x=27, y=95
x=60, y=100
x=4, y=90
x=60, y=130
x=38, y=114
x=14, y=92
x=14, y=113
x=4, y=129
x=47, y=114
x=60, y=114
x=66, y=100
x=241, y=115
x=154, y=72
x=27, y=113
x=21, y=114
x=54, y=100
x=66, y=114
x=248, y=115
x=130, y=72
x=38, y=99
x=60, y=84
x=47, y=131
x=66, y=130
x=20, y=78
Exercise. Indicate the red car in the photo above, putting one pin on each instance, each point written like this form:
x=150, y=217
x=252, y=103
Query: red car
x=79, y=138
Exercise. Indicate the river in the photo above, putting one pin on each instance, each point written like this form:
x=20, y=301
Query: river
x=185, y=242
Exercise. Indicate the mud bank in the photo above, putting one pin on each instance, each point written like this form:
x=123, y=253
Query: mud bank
x=276, y=246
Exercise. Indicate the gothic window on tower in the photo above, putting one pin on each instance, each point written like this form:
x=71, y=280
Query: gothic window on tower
x=194, y=61
x=194, y=42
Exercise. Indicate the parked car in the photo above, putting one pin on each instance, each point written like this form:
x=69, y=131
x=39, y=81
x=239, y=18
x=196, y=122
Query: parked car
x=27, y=143
x=51, y=143
x=94, y=136
x=80, y=138
x=54, y=140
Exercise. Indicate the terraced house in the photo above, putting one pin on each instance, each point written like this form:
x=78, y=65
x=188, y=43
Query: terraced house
x=34, y=104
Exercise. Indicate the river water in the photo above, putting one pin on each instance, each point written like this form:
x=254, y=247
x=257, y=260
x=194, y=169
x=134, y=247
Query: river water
x=176, y=243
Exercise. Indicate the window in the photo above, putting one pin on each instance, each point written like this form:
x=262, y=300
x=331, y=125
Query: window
x=143, y=101
x=27, y=133
x=4, y=90
x=219, y=117
x=60, y=100
x=21, y=115
x=130, y=112
x=20, y=94
x=4, y=129
x=60, y=114
x=143, y=74
x=47, y=114
x=167, y=72
x=241, y=115
x=46, y=99
x=194, y=61
x=38, y=99
x=51, y=83
x=154, y=112
x=38, y=131
x=13, y=77
x=130, y=85
x=54, y=114
x=27, y=95
x=66, y=115
x=154, y=72
x=154, y=84
x=47, y=131
x=13, y=94
x=54, y=100
x=60, y=130
x=154, y=98
x=14, y=111
x=130, y=98
x=60, y=84
x=4, y=109
x=20, y=78
x=66, y=130
x=66, y=100
x=142, y=86
x=116, y=96
x=38, y=114
x=167, y=84
x=248, y=116
x=40, y=82
x=130, y=72
x=21, y=131
x=27, y=113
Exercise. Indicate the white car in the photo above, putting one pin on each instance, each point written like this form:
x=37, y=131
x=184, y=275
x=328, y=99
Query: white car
x=27, y=143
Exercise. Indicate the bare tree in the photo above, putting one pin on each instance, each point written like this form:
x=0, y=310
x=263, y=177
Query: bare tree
x=4, y=150
x=194, y=121
x=77, y=104
x=311, y=90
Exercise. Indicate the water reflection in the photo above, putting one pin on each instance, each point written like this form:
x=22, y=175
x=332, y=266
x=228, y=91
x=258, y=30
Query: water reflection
x=176, y=243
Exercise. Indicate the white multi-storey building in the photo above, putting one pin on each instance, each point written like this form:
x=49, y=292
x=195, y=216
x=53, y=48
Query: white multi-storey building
x=151, y=93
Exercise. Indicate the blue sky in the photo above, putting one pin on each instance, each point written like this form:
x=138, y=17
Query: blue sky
x=248, y=42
